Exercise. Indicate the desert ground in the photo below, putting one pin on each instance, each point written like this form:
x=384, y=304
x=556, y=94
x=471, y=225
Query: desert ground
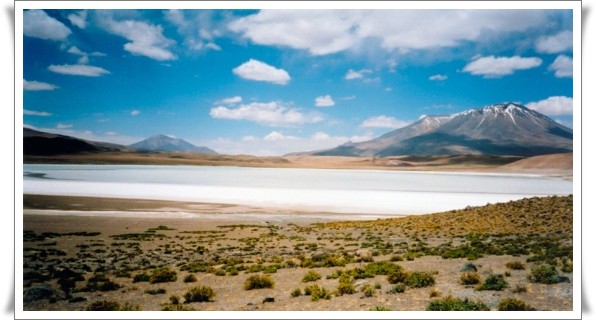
x=98, y=254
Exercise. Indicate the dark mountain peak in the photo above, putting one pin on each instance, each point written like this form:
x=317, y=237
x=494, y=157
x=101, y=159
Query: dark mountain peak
x=162, y=142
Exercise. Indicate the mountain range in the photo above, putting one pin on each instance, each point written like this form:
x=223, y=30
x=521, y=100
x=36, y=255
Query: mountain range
x=499, y=129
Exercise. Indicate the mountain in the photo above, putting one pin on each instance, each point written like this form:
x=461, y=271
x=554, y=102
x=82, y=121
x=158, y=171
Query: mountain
x=40, y=143
x=499, y=129
x=162, y=142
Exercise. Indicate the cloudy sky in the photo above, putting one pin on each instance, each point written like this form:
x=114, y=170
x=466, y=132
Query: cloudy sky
x=268, y=82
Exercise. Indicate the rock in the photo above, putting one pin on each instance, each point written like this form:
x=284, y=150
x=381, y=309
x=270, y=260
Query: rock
x=38, y=292
x=268, y=299
x=468, y=267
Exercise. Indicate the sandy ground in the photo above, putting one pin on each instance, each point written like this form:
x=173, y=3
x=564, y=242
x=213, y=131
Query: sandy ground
x=250, y=237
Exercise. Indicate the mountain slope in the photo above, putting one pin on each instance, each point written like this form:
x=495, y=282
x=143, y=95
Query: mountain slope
x=162, y=142
x=43, y=143
x=500, y=129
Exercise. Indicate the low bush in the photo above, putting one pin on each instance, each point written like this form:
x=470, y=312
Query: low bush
x=450, y=303
x=512, y=304
x=398, y=288
x=515, y=265
x=367, y=290
x=419, y=280
x=296, y=292
x=469, y=278
x=162, y=275
x=379, y=308
x=545, y=273
x=258, y=282
x=397, y=276
x=316, y=293
x=156, y=291
x=495, y=282
x=345, y=288
x=190, y=278
x=311, y=276
x=141, y=277
x=435, y=293
x=199, y=294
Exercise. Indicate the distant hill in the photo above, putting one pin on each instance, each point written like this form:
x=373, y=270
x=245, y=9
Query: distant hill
x=162, y=142
x=499, y=129
x=42, y=143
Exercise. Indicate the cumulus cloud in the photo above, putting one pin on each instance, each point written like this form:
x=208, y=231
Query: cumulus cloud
x=231, y=100
x=38, y=24
x=496, y=67
x=438, y=77
x=38, y=86
x=198, y=28
x=135, y=113
x=249, y=138
x=383, y=122
x=560, y=42
x=36, y=113
x=323, y=32
x=78, y=19
x=562, y=66
x=78, y=70
x=267, y=113
x=145, y=39
x=357, y=74
x=324, y=101
x=276, y=136
x=553, y=106
x=320, y=136
x=260, y=71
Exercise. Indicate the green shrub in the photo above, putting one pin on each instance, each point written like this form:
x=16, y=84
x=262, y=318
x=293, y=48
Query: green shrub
x=495, y=282
x=345, y=288
x=367, y=290
x=220, y=272
x=174, y=299
x=199, y=294
x=512, y=304
x=311, y=276
x=316, y=293
x=450, y=303
x=379, y=308
x=190, y=278
x=156, y=291
x=419, y=280
x=100, y=282
x=258, y=282
x=397, y=258
x=469, y=278
x=162, y=275
x=397, y=276
x=296, y=292
x=381, y=268
x=515, y=265
x=545, y=273
x=398, y=288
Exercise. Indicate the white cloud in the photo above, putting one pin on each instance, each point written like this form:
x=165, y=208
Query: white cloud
x=354, y=74
x=553, y=106
x=438, y=77
x=78, y=70
x=357, y=138
x=324, y=101
x=78, y=19
x=38, y=86
x=329, y=31
x=560, y=42
x=276, y=136
x=383, y=122
x=145, y=39
x=562, y=66
x=268, y=113
x=36, y=113
x=231, y=100
x=111, y=133
x=249, y=138
x=188, y=22
x=135, y=113
x=260, y=71
x=63, y=126
x=38, y=24
x=320, y=136
x=495, y=67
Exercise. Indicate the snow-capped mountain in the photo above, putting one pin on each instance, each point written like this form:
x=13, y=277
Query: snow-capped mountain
x=162, y=142
x=499, y=129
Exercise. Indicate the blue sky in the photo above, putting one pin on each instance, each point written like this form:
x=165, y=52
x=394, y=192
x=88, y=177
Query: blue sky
x=268, y=82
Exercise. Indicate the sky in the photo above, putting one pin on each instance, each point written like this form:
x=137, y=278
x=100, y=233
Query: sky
x=270, y=82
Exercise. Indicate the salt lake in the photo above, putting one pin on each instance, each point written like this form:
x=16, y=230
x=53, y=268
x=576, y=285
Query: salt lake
x=341, y=191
